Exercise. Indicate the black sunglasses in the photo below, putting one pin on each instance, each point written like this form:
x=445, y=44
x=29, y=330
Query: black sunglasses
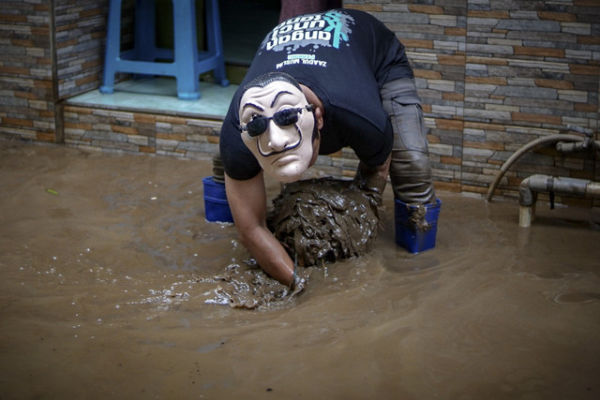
x=288, y=116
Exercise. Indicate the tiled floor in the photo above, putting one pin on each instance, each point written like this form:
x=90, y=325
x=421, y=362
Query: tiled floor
x=160, y=95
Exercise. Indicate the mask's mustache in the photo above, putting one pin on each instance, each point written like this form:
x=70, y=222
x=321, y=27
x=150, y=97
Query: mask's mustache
x=291, y=147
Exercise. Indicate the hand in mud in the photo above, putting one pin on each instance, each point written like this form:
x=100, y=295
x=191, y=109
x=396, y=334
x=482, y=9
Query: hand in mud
x=372, y=179
x=297, y=287
x=301, y=276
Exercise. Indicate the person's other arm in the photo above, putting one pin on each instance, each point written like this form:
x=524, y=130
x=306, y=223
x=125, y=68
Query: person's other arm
x=372, y=144
x=372, y=178
x=248, y=202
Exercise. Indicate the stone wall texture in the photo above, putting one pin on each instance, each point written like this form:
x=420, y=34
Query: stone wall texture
x=495, y=74
x=138, y=132
x=80, y=31
x=27, y=90
x=492, y=74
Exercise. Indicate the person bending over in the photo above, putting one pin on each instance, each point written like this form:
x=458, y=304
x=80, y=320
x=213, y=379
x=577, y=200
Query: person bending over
x=320, y=82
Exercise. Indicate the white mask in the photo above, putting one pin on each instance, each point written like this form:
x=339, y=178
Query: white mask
x=285, y=151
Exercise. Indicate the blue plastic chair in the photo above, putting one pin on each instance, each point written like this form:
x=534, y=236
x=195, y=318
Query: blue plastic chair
x=188, y=63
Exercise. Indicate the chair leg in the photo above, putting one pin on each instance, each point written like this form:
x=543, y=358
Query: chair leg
x=186, y=49
x=186, y=65
x=145, y=30
x=113, y=47
x=215, y=40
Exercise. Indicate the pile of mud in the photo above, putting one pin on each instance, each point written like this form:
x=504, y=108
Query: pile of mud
x=324, y=220
x=317, y=221
x=246, y=286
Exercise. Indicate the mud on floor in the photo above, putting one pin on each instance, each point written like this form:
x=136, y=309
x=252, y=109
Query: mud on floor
x=106, y=266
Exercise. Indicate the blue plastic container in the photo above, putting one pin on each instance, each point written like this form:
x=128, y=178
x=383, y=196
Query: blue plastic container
x=408, y=235
x=216, y=207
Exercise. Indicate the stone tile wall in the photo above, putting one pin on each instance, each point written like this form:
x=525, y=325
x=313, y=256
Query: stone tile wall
x=531, y=71
x=80, y=32
x=138, y=132
x=80, y=37
x=51, y=50
x=495, y=74
x=492, y=74
x=27, y=90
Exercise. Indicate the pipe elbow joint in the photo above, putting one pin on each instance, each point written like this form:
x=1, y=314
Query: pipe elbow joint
x=527, y=197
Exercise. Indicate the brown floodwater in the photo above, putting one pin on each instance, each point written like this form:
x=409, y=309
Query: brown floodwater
x=107, y=290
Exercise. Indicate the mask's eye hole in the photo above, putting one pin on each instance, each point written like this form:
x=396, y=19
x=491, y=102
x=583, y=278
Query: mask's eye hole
x=285, y=117
x=257, y=125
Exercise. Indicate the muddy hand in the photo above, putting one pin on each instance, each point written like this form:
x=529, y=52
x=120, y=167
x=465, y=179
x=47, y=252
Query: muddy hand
x=372, y=179
x=297, y=287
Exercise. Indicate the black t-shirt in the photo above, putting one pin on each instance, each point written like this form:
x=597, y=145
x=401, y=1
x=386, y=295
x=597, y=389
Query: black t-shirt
x=345, y=56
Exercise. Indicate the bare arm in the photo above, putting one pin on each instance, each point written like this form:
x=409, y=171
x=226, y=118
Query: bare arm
x=248, y=202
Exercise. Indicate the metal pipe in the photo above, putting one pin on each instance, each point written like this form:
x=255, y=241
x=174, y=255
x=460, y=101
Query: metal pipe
x=565, y=145
x=529, y=146
x=544, y=183
x=572, y=147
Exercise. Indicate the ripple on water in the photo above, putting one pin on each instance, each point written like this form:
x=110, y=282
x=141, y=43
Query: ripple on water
x=577, y=297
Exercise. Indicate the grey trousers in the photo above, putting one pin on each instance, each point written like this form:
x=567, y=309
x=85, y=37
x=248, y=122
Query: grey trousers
x=410, y=171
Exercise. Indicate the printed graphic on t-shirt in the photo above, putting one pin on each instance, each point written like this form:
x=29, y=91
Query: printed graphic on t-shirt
x=309, y=32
